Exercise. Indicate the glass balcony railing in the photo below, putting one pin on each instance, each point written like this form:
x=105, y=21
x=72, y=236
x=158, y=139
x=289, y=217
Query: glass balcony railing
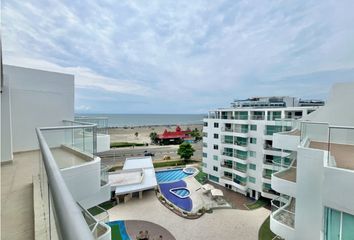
x=337, y=140
x=283, y=210
x=77, y=143
x=226, y=165
x=240, y=182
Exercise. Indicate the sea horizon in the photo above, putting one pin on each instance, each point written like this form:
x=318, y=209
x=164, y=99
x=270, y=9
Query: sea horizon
x=146, y=119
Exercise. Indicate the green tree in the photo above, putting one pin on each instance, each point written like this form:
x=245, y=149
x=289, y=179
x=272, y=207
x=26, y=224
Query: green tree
x=196, y=134
x=153, y=137
x=136, y=134
x=185, y=151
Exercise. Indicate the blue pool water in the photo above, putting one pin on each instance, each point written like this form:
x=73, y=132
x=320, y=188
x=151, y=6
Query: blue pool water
x=166, y=189
x=182, y=192
x=120, y=227
x=170, y=175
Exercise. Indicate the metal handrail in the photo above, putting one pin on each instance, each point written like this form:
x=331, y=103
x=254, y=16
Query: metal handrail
x=70, y=221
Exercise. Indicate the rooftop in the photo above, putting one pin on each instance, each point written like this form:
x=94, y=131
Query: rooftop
x=138, y=174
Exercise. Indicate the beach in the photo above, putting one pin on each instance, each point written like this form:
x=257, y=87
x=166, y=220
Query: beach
x=127, y=134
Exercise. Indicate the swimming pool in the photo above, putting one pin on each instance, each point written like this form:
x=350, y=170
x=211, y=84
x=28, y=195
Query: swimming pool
x=171, y=175
x=180, y=192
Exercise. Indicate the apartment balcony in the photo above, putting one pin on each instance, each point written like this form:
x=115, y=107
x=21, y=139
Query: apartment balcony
x=242, y=185
x=282, y=217
x=228, y=154
x=287, y=140
x=228, y=179
x=226, y=166
x=69, y=169
x=268, y=192
x=257, y=117
x=242, y=172
x=227, y=129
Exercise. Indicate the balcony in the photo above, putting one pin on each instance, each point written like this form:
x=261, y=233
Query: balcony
x=282, y=218
x=257, y=117
x=225, y=177
x=226, y=129
x=225, y=165
x=227, y=154
x=67, y=152
x=242, y=185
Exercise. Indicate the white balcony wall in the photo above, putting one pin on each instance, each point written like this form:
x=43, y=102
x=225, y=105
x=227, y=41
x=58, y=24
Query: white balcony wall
x=286, y=141
x=338, y=189
x=6, y=127
x=103, y=142
x=309, y=188
x=84, y=183
x=37, y=99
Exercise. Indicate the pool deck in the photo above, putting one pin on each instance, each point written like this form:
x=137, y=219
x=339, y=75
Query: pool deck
x=221, y=224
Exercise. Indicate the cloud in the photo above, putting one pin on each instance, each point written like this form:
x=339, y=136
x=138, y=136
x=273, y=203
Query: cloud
x=182, y=55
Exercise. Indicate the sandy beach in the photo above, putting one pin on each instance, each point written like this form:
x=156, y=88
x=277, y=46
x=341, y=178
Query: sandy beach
x=127, y=134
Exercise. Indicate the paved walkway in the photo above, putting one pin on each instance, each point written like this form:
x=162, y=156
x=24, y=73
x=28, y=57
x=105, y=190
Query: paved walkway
x=17, y=197
x=221, y=224
x=236, y=200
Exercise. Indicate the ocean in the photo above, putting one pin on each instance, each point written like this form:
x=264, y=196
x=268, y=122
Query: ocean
x=133, y=120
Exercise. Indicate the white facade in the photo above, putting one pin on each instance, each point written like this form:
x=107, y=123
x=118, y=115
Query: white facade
x=322, y=191
x=239, y=141
x=32, y=98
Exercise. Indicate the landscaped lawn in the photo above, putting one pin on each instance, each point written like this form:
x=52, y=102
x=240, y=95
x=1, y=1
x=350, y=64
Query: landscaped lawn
x=96, y=210
x=264, y=232
x=261, y=202
x=201, y=177
x=125, y=144
x=172, y=163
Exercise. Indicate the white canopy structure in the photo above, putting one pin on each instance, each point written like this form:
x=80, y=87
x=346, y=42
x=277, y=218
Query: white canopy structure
x=207, y=188
x=216, y=193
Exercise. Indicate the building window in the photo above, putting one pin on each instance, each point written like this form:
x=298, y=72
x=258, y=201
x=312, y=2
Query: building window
x=205, y=124
x=253, y=127
x=205, y=155
x=205, y=134
x=252, y=179
x=213, y=178
x=338, y=225
x=216, y=125
x=215, y=157
x=205, y=144
x=252, y=153
x=253, y=140
x=216, y=136
x=215, y=169
x=216, y=147
x=252, y=166
x=204, y=164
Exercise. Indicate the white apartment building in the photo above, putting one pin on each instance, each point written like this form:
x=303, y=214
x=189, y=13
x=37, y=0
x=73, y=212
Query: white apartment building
x=238, y=150
x=317, y=190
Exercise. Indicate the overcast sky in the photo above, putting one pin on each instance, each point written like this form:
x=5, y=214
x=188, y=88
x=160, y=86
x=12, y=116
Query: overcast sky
x=183, y=56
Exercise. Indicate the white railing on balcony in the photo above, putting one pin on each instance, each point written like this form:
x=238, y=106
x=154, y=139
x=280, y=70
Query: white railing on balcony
x=283, y=210
x=64, y=218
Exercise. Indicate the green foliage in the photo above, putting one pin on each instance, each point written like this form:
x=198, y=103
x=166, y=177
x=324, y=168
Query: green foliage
x=125, y=144
x=169, y=164
x=153, y=137
x=115, y=233
x=136, y=134
x=185, y=151
x=96, y=210
x=264, y=232
x=196, y=134
x=201, y=177
x=261, y=202
x=172, y=163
